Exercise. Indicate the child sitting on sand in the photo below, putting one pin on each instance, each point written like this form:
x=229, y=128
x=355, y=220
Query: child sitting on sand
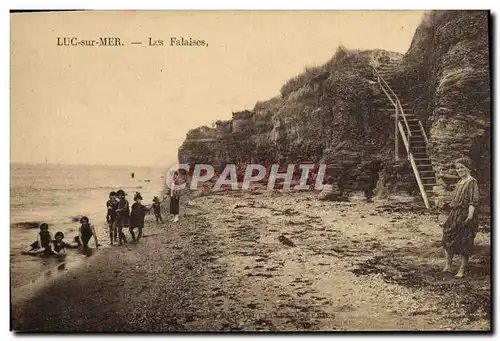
x=43, y=243
x=137, y=217
x=59, y=246
x=86, y=231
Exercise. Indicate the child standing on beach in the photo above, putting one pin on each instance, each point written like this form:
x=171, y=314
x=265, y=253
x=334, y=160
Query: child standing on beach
x=111, y=205
x=86, y=231
x=157, y=210
x=137, y=217
x=43, y=242
x=122, y=215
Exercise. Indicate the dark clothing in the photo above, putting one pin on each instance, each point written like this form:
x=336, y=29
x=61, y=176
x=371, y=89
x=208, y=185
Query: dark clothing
x=123, y=214
x=35, y=245
x=45, y=238
x=341, y=183
x=85, y=240
x=137, y=216
x=58, y=246
x=458, y=236
x=86, y=232
x=156, y=208
x=157, y=211
x=174, y=205
x=111, y=205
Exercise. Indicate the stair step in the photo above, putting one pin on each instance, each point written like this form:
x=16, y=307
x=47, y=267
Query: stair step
x=407, y=111
x=410, y=118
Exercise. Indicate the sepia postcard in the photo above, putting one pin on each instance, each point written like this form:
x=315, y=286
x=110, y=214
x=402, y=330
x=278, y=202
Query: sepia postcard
x=250, y=171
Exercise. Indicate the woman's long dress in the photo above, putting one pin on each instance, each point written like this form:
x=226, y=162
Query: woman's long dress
x=174, y=204
x=458, y=237
x=175, y=197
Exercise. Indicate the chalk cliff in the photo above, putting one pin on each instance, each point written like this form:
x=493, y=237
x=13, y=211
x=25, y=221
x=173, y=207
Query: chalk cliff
x=446, y=76
x=330, y=113
x=325, y=115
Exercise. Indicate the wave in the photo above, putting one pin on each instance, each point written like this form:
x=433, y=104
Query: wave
x=34, y=224
x=26, y=224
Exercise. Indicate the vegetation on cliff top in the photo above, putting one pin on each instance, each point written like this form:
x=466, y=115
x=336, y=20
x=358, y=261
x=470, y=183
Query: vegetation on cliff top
x=328, y=113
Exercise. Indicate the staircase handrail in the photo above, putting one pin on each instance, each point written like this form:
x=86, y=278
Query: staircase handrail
x=396, y=102
x=406, y=137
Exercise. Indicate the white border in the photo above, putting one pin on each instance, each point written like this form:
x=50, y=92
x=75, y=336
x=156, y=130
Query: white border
x=152, y=5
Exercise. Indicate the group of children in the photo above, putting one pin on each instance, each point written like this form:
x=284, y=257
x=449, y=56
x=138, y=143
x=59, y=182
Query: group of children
x=119, y=216
x=48, y=246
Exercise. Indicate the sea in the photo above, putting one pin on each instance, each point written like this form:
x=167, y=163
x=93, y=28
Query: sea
x=59, y=195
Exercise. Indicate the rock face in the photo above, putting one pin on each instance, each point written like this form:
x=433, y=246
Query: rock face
x=446, y=72
x=324, y=115
x=328, y=113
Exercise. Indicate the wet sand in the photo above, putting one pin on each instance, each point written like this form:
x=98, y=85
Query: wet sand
x=355, y=266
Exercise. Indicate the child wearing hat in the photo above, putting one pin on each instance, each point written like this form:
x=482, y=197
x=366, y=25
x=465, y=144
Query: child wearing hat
x=137, y=215
x=157, y=209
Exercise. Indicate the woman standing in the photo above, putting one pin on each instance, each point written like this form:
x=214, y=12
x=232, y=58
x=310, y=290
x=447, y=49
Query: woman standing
x=175, y=198
x=460, y=228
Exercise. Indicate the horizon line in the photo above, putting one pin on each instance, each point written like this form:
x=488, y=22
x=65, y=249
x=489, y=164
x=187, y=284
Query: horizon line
x=87, y=164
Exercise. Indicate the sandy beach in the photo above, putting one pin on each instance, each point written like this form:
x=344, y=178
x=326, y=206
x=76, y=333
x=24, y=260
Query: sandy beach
x=355, y=266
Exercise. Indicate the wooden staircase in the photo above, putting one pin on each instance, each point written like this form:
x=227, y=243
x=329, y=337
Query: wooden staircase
x=408, y=126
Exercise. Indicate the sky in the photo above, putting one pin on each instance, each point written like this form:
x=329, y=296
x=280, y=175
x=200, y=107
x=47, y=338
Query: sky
x=134, y=104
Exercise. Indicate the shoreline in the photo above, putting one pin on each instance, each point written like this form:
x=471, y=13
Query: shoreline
x=45, y=271
x=356, y=267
